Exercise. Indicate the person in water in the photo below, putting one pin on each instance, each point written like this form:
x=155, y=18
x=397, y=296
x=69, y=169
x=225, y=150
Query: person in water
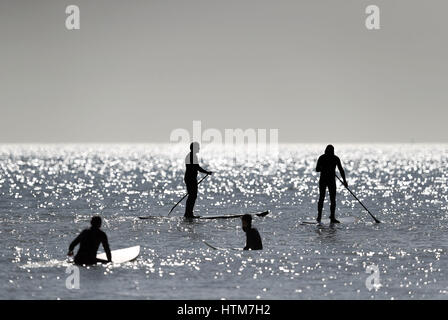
x=191, y=175
x=253, y=239
x=89, y=240
x=326, y=165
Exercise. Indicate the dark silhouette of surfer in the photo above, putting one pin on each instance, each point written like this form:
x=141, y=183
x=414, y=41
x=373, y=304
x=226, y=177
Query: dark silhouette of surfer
x=326, y=165
x=89, y=240
x=191, y=175
x=253, y=239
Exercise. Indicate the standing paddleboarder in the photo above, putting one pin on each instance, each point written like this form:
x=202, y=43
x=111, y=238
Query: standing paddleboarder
x=191, y=175
x=89, y=240
x=326, y=165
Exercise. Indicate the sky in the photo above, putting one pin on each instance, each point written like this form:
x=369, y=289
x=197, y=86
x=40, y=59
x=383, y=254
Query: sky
x=137, y=70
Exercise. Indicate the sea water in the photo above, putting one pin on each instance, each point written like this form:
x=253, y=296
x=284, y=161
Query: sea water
x=48, y=193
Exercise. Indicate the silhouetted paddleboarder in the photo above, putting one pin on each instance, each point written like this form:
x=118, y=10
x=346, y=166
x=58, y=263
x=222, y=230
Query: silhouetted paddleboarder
x=191, y=175
x=326, y=165
x=253, y=239
x=89, y=240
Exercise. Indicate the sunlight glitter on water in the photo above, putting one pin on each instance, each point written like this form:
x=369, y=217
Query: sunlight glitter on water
x=49, y=193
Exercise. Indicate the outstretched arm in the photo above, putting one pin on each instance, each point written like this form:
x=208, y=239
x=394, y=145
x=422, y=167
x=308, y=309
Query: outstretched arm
x=200, y=169
x=193, y=160
x=341, y=170
x=105, y=243
x=74, y=243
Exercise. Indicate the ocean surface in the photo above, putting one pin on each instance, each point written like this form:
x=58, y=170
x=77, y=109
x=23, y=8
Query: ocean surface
x=48, y=193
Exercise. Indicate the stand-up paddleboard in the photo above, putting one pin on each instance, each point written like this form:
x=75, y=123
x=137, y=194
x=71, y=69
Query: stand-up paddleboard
x=158, y=217
x=344, y=220
x=232, y=216
x=121, y=255
x=225, y=216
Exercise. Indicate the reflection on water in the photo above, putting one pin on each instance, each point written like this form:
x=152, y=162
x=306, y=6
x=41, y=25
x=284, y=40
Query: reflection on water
x=48, y=194
x=327, y=233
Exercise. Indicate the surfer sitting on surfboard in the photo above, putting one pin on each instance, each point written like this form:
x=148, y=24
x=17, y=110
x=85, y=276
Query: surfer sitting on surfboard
x=191, y=174
x=253, y=239
x=89, y=240
x=326, y=165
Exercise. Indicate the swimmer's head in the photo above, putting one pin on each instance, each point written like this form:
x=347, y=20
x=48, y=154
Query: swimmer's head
x=96, y=222
x=329, y=150
x=194, y=147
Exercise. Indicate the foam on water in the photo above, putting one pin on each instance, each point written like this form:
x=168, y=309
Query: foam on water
x=48, y=194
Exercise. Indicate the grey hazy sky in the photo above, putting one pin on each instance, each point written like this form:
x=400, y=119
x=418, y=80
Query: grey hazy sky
x=139, y=69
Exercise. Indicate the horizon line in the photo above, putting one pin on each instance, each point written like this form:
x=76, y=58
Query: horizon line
x=217, y=144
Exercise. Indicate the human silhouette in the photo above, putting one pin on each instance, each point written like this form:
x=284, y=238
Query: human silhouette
x=253, y=239
x=191, y=175
x=326, y=165
x=89, y=240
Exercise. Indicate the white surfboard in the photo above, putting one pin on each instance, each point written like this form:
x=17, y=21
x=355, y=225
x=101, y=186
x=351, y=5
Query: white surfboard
x=121, y=255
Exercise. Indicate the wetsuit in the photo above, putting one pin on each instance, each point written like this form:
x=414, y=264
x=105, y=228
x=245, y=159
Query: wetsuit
x=326, y=165
x=253, y=240
x=89, y=240
x=191, y=175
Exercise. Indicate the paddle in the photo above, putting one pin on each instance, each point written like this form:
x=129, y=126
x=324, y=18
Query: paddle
x=376, y=220
x=186, y=195
x=209, y=245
